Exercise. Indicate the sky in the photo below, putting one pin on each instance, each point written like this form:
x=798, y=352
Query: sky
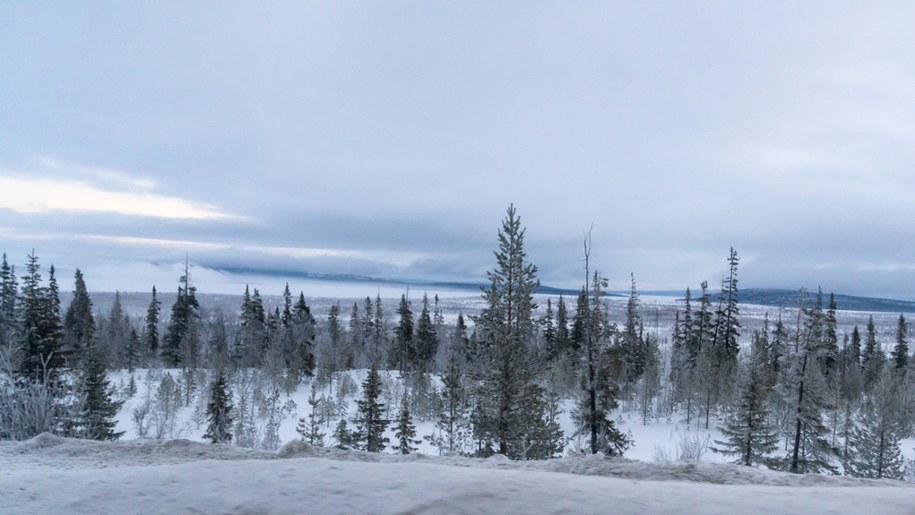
x=388, y=138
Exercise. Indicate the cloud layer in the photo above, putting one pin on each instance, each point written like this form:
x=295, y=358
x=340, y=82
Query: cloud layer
x=388, y=139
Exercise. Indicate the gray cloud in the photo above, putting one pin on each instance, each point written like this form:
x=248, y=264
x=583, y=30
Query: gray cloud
x=393, y=137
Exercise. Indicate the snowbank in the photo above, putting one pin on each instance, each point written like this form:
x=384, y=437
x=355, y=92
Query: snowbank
x=49, y=474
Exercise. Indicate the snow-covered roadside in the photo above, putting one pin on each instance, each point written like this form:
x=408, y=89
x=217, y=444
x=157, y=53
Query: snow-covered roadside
x=54, y=475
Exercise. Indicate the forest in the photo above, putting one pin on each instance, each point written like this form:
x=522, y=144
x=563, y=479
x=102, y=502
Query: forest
x=791, y=392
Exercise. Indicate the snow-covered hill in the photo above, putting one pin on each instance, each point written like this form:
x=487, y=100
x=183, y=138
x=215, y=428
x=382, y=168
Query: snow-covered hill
x=49, y=474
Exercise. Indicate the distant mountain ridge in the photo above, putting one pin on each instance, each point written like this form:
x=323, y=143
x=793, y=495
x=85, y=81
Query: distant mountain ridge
x=351, y=278
x=761, y=296
x=792, y=299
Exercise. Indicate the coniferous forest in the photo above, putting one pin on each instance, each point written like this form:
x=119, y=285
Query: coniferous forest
x=791, y=391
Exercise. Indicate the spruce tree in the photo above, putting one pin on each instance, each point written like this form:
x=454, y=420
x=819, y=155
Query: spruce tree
x=151, y=330
x=79, y=324
x=96, y=420
x=39, y=325
x=563, y=338
x=426, y=339
x=370, y=421
x=505, y=329
x=748, y=436
x=900, y=354
x=184, y=314
x=345, y=438
x=452, y=419
x=403, y=353
x=219, y=410
x=727, y=326
x=876, y=435
x=631, y=343
x=405, y=431
x=8, y=292
x=807, y=394
x=310, y=428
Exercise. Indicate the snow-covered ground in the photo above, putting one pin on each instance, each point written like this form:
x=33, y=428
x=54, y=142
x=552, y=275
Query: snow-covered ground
x=49, y=474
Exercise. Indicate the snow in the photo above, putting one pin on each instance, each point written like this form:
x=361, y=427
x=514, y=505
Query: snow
x=49, y=474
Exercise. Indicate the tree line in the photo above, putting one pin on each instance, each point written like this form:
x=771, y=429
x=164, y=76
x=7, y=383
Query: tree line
x=788, y=396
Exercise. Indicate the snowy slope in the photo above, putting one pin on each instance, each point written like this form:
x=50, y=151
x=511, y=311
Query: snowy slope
x=49, y=474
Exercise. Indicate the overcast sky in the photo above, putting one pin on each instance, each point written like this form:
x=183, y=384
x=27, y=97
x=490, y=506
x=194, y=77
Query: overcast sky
x=388, y=138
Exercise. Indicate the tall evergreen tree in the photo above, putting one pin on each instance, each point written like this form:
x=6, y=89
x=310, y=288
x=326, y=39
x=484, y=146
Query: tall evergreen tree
x=151, y=330
x=116, y=333
x=900, y=354
x=452, y=418
x=370, y=421
x=404, y=349
x=39, y=325
x=310, y=428
x=808, y=395
x=727, y=326
x=563, y=338
x=79, y=324
x=184, y=314
x=405, y=431
x=299, y=332
x=876, y=435
x=748, y=436
x=8, y=293
x=96, y=419
x=219, y=410
x=426, y=339
x=873, y=358
x=505, y=328
x=632, y=344
x=336, y=336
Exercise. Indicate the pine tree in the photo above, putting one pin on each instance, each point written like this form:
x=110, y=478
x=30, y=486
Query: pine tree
x=370, y=421
x=79, y=324
x=876, y=435
x=113, y=341
x=900, y=354
x=151, y=331
x=807, y=394
x=505, y=328
x=299, y=332
x=426, y=339
x=219, y=410
x=345, y=438
x=132, y=350
x=599, y=399
x=452, y=418
x=8, y=290
x=184, y=314
x=39, y=325
x=632, y=344
x=747, y=433
x=405, y=431
x=563, y=338
x=403, y=351
x=336, y=337
x=727, y=326
x=548, y=330
x=310, y=428
x=96, y=420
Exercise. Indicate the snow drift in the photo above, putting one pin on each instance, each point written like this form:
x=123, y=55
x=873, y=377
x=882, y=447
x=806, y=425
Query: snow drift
x=49, y=474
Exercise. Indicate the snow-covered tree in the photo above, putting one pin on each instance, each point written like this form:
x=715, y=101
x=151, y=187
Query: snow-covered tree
x=874, y=447
x=310, y=428
x=370, y=421
x=98, y=408
x=748, y=436
x=504, y=330
x=219, y=410
x=405, y=431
